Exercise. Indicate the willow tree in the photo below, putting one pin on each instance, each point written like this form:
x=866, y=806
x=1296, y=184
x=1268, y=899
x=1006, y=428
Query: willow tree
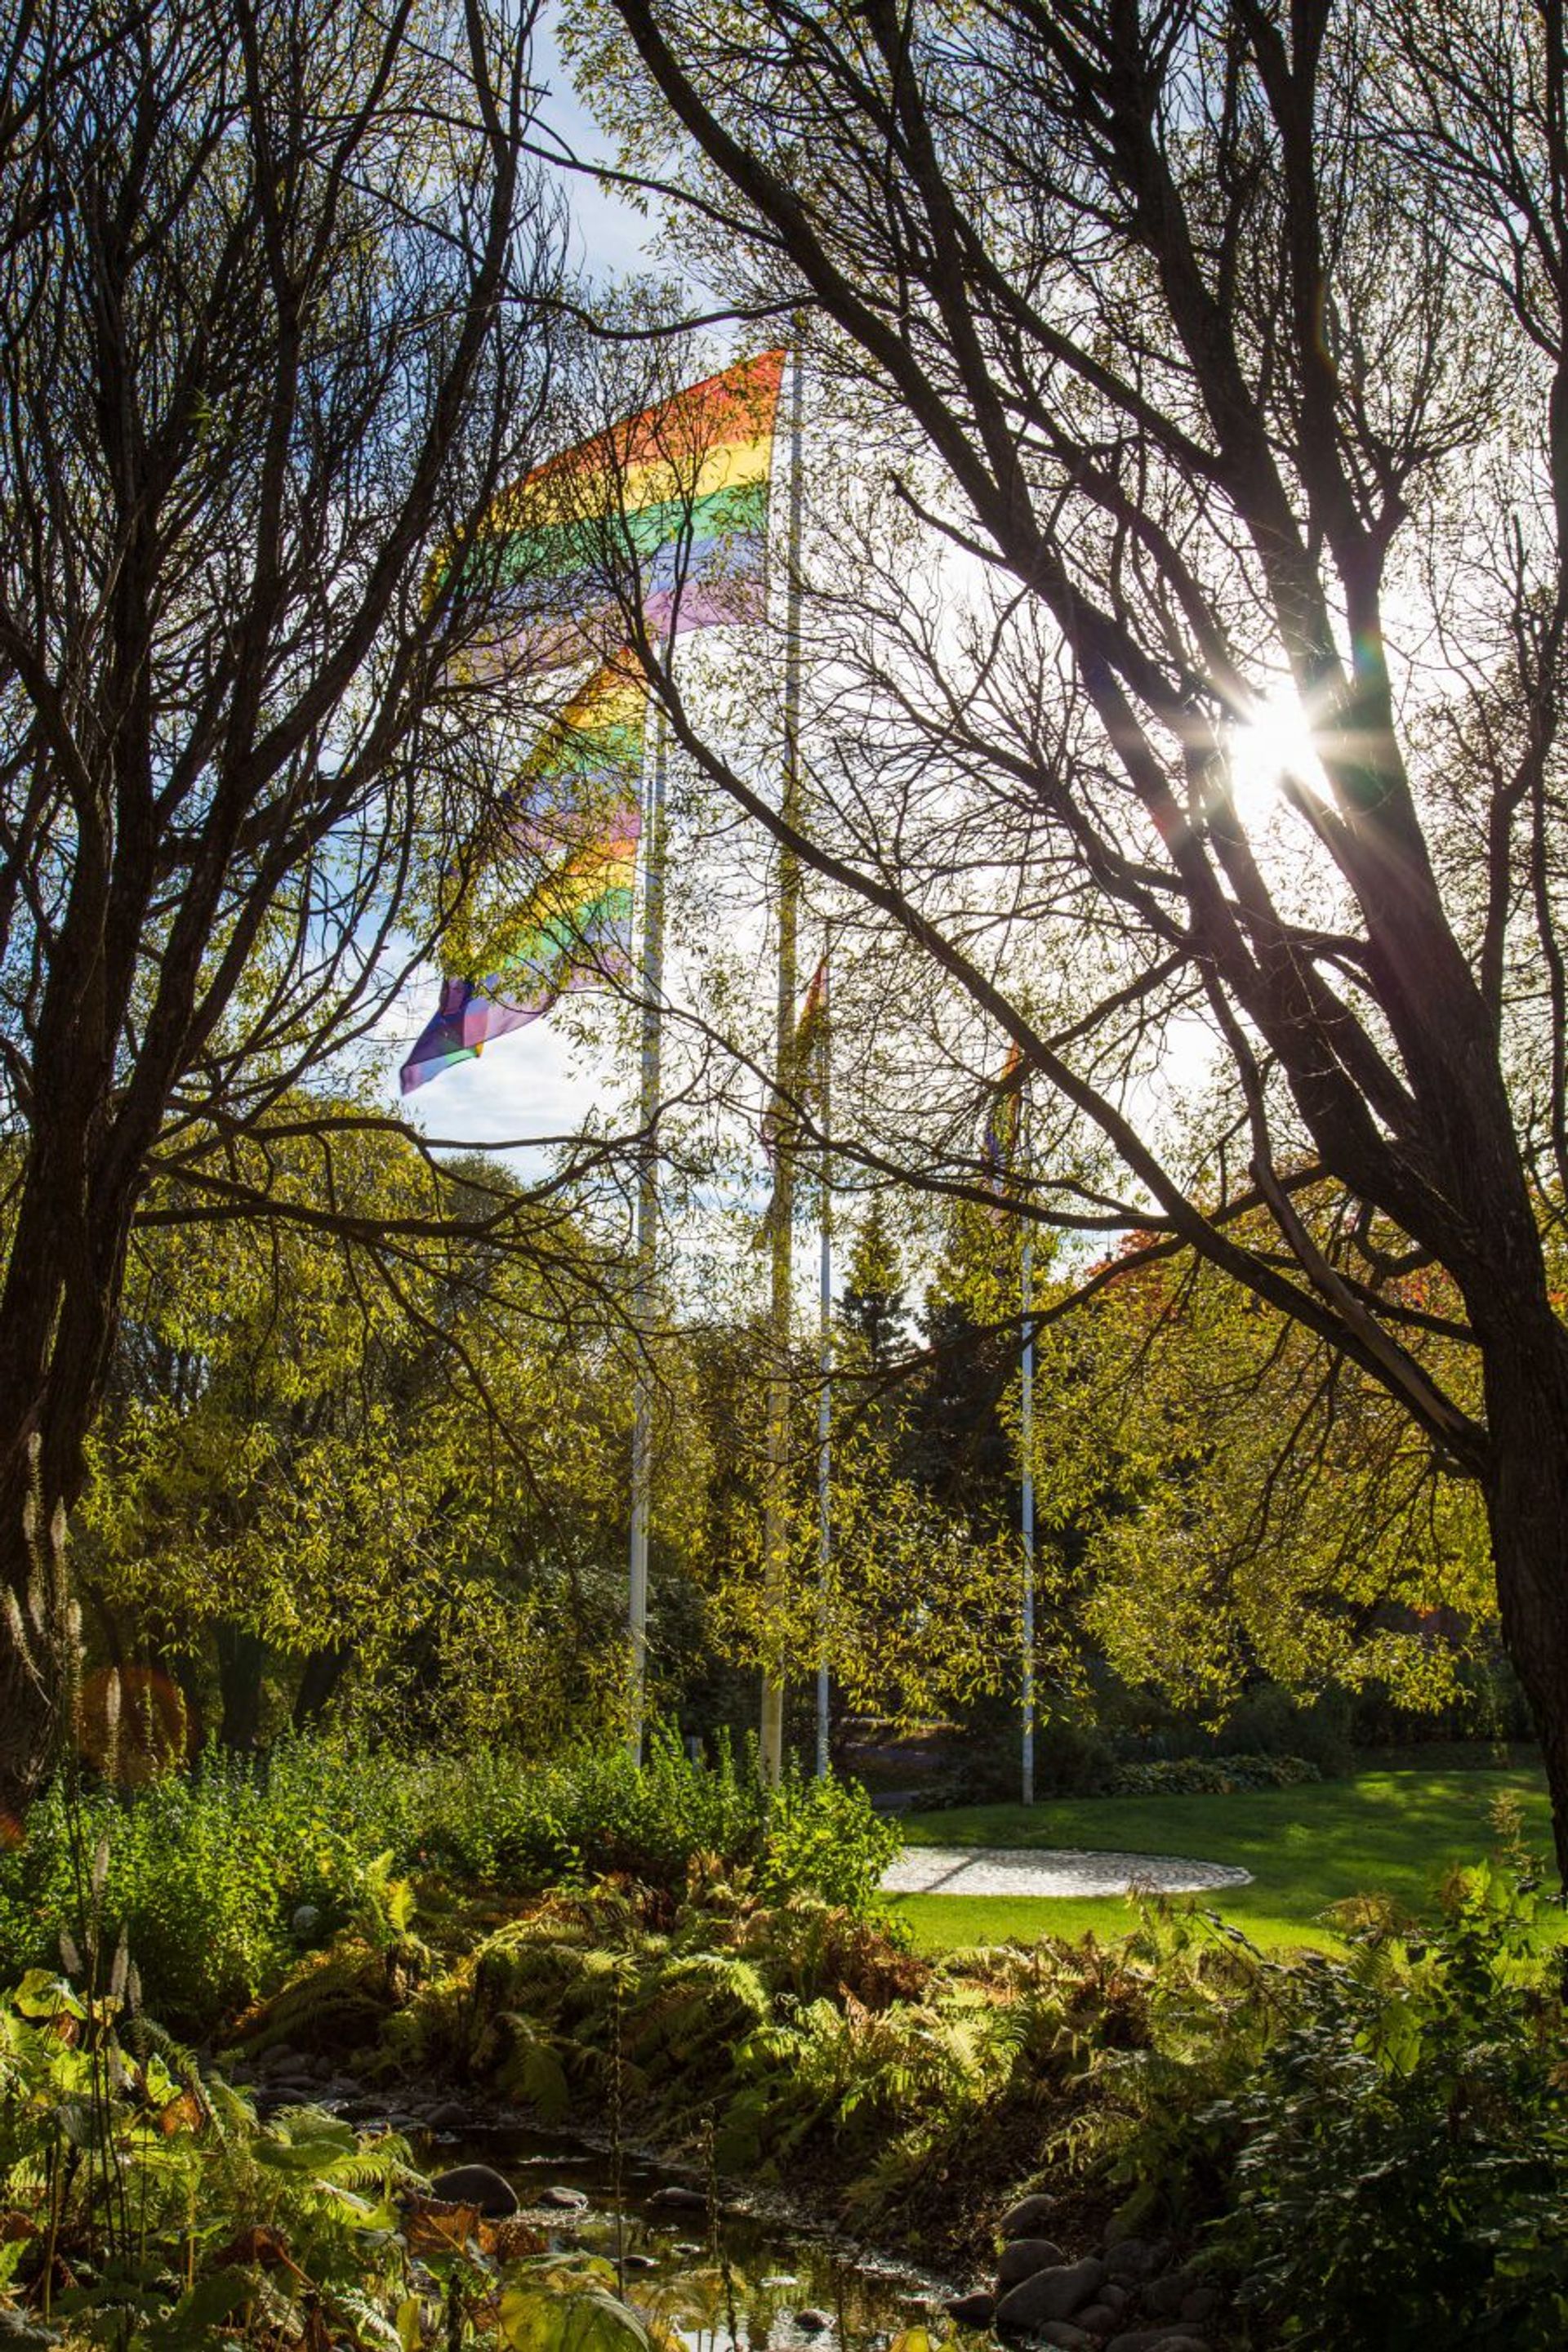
x=278, y=310
x=1223, y=346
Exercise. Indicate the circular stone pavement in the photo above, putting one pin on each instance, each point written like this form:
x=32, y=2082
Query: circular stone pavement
x=1050, y=1870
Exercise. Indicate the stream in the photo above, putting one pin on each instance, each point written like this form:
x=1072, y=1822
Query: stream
x=790, y=2284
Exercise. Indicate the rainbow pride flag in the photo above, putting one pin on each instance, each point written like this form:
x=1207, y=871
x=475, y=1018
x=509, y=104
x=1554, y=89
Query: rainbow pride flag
x=664, y=515
x=572, y=928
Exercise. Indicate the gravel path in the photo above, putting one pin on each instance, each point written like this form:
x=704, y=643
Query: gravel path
x=1050, y=1870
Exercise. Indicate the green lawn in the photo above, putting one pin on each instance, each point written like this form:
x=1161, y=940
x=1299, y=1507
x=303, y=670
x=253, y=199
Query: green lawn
x=1392, y=1833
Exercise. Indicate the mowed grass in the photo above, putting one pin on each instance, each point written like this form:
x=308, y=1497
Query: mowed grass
x=1389, y=1833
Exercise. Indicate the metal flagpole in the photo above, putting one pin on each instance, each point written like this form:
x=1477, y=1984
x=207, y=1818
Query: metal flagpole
x=646, y=1229
x=825, y=1396
x=776, y=1520
x=1026, y=1494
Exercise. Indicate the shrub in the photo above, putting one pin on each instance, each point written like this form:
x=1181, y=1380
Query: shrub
x=1402, y=2164
x=823, y=1838
x=1210, y=1776
x=1270, y=1721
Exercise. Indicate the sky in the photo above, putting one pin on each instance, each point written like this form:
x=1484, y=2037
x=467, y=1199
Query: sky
x=538, y=1081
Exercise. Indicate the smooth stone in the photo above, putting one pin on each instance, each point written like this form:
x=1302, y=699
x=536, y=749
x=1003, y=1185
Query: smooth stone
x=814, y=2323
x=480, y=2186
x=780, y=2279
x=1023, y=2218
x=1049, y=2295
x=1022, y=2257
x=1202, y=2304
x=1099, y=2320
x=446, y=2114
x=687, y=2249
x=1135, y=2258
x=1163, y=2297
x=638, y=2262
x=1065, y=2334
x=970, y=2310
x=677, y=2200
x=1157, y=2339
x=562, y=2200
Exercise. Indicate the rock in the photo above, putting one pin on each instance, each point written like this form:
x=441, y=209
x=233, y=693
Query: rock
x=1114, y=2297
x=1163, y=2297
x=562, y=2200
x=677, y=2200
x=1202, y=2304
x=1100, y=2319
x=1135, y=2258
x=1022, y=2257
x=812, y=2321
x=1066, y=2334
x=446, y=2114
x=1049, y=2295
x=477, y=2185
x=638, y=2262
x=970, y=2310
x=779, y=2280
x=687, y=2249
x=1157, y=2339
x=1023, y=2218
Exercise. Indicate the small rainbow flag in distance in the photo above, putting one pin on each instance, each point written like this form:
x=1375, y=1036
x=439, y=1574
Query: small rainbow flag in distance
x=574, y=928
x=1001, y=1120
x=664, y=515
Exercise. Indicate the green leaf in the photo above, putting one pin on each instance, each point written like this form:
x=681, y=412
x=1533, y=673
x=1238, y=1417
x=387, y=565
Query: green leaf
x=534, y=2320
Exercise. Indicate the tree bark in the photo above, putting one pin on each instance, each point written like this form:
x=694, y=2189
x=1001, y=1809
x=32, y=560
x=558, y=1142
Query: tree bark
x=323, y=1671
x=241, y=1661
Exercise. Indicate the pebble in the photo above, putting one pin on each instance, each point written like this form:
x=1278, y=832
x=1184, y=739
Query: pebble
x=446, y=2114
x=1023, y=2218
x=562, y=2200
x=478, y=2185
x=1157, y=2339
x=1163, y=2297
x=813, y=2323
x=1136, y=2258
x=1022, y=2257
x=1053, y=2293
x=677, y=2200
x=970, y=2310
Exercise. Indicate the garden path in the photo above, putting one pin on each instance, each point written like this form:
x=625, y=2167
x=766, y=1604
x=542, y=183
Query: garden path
x=1051, y=1870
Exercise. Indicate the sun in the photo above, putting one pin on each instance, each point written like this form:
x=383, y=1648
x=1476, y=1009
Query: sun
x=1274, y=742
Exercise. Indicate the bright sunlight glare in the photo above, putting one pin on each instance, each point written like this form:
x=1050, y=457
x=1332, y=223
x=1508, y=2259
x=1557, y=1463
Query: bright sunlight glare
x=1275, y=741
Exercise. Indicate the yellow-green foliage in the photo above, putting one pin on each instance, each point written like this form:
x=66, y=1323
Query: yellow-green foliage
x=802, y=2036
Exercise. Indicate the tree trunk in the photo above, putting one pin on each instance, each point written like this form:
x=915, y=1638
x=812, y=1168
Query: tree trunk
x=1526, y=1488
x=40, y=1641
x=241, y=1658
x=323, y=1671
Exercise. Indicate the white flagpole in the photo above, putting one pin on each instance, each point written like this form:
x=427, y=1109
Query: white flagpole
x=825, y=1396
x=1026, y=1494
x=646, y=1231
x=776, y=1520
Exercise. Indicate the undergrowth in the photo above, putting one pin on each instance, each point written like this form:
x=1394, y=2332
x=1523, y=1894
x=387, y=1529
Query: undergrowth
x=222, y=1879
